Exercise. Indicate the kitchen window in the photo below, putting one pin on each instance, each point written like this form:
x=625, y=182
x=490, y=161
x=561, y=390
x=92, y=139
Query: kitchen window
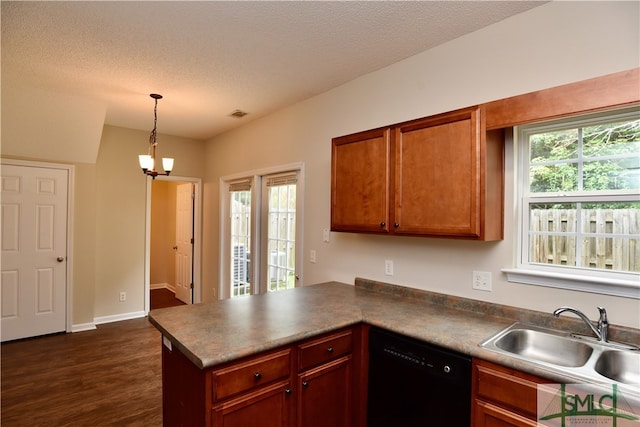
x=260, y=232
x=578, y=203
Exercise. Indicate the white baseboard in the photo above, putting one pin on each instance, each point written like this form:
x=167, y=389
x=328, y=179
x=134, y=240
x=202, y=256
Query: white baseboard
x=118, y=317
x=81, y=327
x=162, y=286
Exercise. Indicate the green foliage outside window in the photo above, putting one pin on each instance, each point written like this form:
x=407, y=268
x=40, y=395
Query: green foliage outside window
x=604, y=157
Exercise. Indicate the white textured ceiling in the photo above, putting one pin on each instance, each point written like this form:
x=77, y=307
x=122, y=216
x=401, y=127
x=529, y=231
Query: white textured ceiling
x=210, y=58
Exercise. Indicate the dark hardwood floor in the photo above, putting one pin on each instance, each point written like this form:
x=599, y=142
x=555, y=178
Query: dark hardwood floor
x=107, y=377
x=162, y=298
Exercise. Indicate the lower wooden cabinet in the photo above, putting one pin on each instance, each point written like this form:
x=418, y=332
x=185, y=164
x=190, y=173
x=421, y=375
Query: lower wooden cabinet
x=266, y=407
x=313, y=383
x=503, y=397
x=324, y=397
x=326, y=380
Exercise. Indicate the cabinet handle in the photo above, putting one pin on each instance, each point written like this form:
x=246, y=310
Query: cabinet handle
x=287, y=391
x=330, y=350
x=382, y=224
x=305, y=384
x=257, y=375
x=396, y=225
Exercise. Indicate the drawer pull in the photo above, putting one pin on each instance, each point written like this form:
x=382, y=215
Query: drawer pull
x=257, y=375
x=330, y=350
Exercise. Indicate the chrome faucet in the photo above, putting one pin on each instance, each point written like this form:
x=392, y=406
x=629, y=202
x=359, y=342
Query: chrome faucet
x=602, y=332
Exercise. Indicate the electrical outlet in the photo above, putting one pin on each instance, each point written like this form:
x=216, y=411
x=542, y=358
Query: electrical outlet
x=482, y=281
x=312, y=256
x=123, y=296
x=388, y=267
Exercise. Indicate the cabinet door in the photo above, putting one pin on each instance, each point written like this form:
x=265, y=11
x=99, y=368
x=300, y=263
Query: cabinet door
x=488, y=415
x=437, y=175
x=267, y=407
x=325, y=395
x=360, y=182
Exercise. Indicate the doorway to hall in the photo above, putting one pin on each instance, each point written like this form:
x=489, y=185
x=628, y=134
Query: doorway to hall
x=172, y=250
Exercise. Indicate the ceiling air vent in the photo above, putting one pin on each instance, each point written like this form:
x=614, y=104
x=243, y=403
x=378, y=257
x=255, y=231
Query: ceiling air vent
x=238, y=114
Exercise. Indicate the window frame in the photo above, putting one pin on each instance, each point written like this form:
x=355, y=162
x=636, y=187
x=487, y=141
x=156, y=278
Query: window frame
x=625, y=284
x=256, y=178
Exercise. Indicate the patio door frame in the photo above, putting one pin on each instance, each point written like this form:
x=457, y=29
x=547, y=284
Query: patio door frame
x=224, y=286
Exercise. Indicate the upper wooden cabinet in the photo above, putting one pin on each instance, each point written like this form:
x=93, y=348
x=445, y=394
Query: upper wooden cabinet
x=360, y=181
x=441, y=176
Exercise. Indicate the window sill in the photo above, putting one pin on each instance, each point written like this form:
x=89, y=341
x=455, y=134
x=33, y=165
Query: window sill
x=599, y=285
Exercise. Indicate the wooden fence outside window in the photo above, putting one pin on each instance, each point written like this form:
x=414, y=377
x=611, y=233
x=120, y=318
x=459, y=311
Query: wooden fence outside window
x=553, y=238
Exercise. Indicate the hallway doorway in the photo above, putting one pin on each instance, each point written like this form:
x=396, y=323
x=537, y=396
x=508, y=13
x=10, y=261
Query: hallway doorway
x=173, y=247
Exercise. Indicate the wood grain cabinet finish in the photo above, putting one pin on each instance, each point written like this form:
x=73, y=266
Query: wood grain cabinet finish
x=324, y=349
x=313, y=382
x=252, y=374
x=440, y=176
x=503, y=397
x=325, y=395
x=268, y=406
x=361, y=182
x=326, y=381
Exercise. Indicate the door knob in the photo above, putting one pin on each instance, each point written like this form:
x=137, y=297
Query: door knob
x=60, y=259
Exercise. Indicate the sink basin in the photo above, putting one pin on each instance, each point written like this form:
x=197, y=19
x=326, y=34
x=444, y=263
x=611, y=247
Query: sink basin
x=580, y=358
x=620, y=366
x=545, y=347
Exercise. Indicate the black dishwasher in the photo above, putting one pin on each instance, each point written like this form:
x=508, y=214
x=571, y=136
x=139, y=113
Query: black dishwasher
x=415, y=384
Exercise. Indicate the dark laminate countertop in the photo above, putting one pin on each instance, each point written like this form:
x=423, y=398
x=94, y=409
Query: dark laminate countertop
x=213, y=333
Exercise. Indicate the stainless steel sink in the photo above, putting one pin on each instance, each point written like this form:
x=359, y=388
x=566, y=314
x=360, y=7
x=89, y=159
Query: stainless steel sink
x=545, y=347
x=620, y=366
x=569, y=355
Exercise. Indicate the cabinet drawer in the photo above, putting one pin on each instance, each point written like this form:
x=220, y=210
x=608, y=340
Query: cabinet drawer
x=511, y=389
x=251, y=374
x=324, y=349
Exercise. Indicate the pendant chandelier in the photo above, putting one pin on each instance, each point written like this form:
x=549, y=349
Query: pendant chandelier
x=148, y=161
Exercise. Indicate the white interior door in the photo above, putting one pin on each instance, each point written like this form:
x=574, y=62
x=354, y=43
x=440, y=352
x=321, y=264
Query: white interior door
x=33, y=281
x=184, y=242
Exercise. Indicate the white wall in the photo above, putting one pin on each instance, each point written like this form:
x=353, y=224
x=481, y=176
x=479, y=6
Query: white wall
x=554, y=44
